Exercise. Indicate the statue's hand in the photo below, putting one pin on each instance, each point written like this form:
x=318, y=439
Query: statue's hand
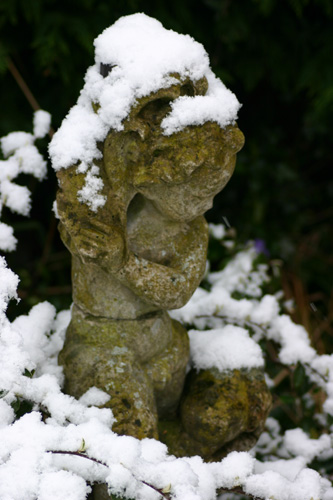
x=102, y=245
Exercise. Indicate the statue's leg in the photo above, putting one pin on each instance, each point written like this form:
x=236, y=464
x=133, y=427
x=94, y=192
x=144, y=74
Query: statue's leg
x=219, y=412
x=167, y=369
x=96, y=354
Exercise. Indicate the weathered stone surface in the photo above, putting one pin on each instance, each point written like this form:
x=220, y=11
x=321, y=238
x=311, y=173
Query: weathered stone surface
x=219, y=412
x=143, y=378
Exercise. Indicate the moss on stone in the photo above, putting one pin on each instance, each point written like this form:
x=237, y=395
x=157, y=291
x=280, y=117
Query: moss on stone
x=219, y=412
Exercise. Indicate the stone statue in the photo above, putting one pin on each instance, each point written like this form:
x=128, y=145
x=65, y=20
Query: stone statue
x=142, y=253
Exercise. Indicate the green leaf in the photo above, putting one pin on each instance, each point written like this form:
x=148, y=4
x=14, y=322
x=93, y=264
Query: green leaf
x=167, y=488
x=82, y=448
x=300, y=378
x=16, y=405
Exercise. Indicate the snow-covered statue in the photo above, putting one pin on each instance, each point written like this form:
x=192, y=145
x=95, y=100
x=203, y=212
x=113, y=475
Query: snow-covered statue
x=139, y=158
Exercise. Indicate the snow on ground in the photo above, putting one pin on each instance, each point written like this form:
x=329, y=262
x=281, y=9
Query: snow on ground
x=29, y=371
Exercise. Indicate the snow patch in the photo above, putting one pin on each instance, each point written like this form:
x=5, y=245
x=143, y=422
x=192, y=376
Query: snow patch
x=228, y=348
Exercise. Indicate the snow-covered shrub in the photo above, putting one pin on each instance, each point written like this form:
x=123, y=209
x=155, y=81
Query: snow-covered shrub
x=21, y=156
x=53, y=446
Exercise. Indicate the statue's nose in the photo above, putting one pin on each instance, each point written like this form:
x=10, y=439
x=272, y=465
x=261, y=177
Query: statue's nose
x=234, y=138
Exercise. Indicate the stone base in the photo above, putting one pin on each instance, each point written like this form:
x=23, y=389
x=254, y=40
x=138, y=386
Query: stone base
x=126, y=358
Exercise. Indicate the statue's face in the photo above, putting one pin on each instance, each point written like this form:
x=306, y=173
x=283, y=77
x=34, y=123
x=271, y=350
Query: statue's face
x=191, y=168
x=185, y=202
x=180, y=173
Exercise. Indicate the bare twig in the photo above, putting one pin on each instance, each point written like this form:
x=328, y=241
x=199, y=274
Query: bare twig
x=284, y=373
x=22, y=84
x=77, y=454
x=237, y=489
x=83, y=455
x=248, y=323
x=25, y=89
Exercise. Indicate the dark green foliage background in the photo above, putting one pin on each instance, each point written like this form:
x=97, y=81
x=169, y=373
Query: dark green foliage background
x=277, y=56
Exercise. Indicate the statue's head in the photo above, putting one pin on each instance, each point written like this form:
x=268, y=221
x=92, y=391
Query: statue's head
x=153, y=119
x=182, y=172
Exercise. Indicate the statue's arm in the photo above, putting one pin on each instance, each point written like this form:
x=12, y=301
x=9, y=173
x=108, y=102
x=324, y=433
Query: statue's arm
x=95, y=243
x=169, y=287
x=97, y=238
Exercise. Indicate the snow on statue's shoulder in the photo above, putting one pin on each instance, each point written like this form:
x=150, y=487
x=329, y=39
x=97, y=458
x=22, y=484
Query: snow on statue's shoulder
x=134, y=58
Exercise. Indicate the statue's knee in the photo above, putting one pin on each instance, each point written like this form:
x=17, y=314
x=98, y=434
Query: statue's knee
x=219, y=407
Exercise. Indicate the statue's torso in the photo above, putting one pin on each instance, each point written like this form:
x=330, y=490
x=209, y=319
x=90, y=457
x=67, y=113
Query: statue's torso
x=151, y=237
